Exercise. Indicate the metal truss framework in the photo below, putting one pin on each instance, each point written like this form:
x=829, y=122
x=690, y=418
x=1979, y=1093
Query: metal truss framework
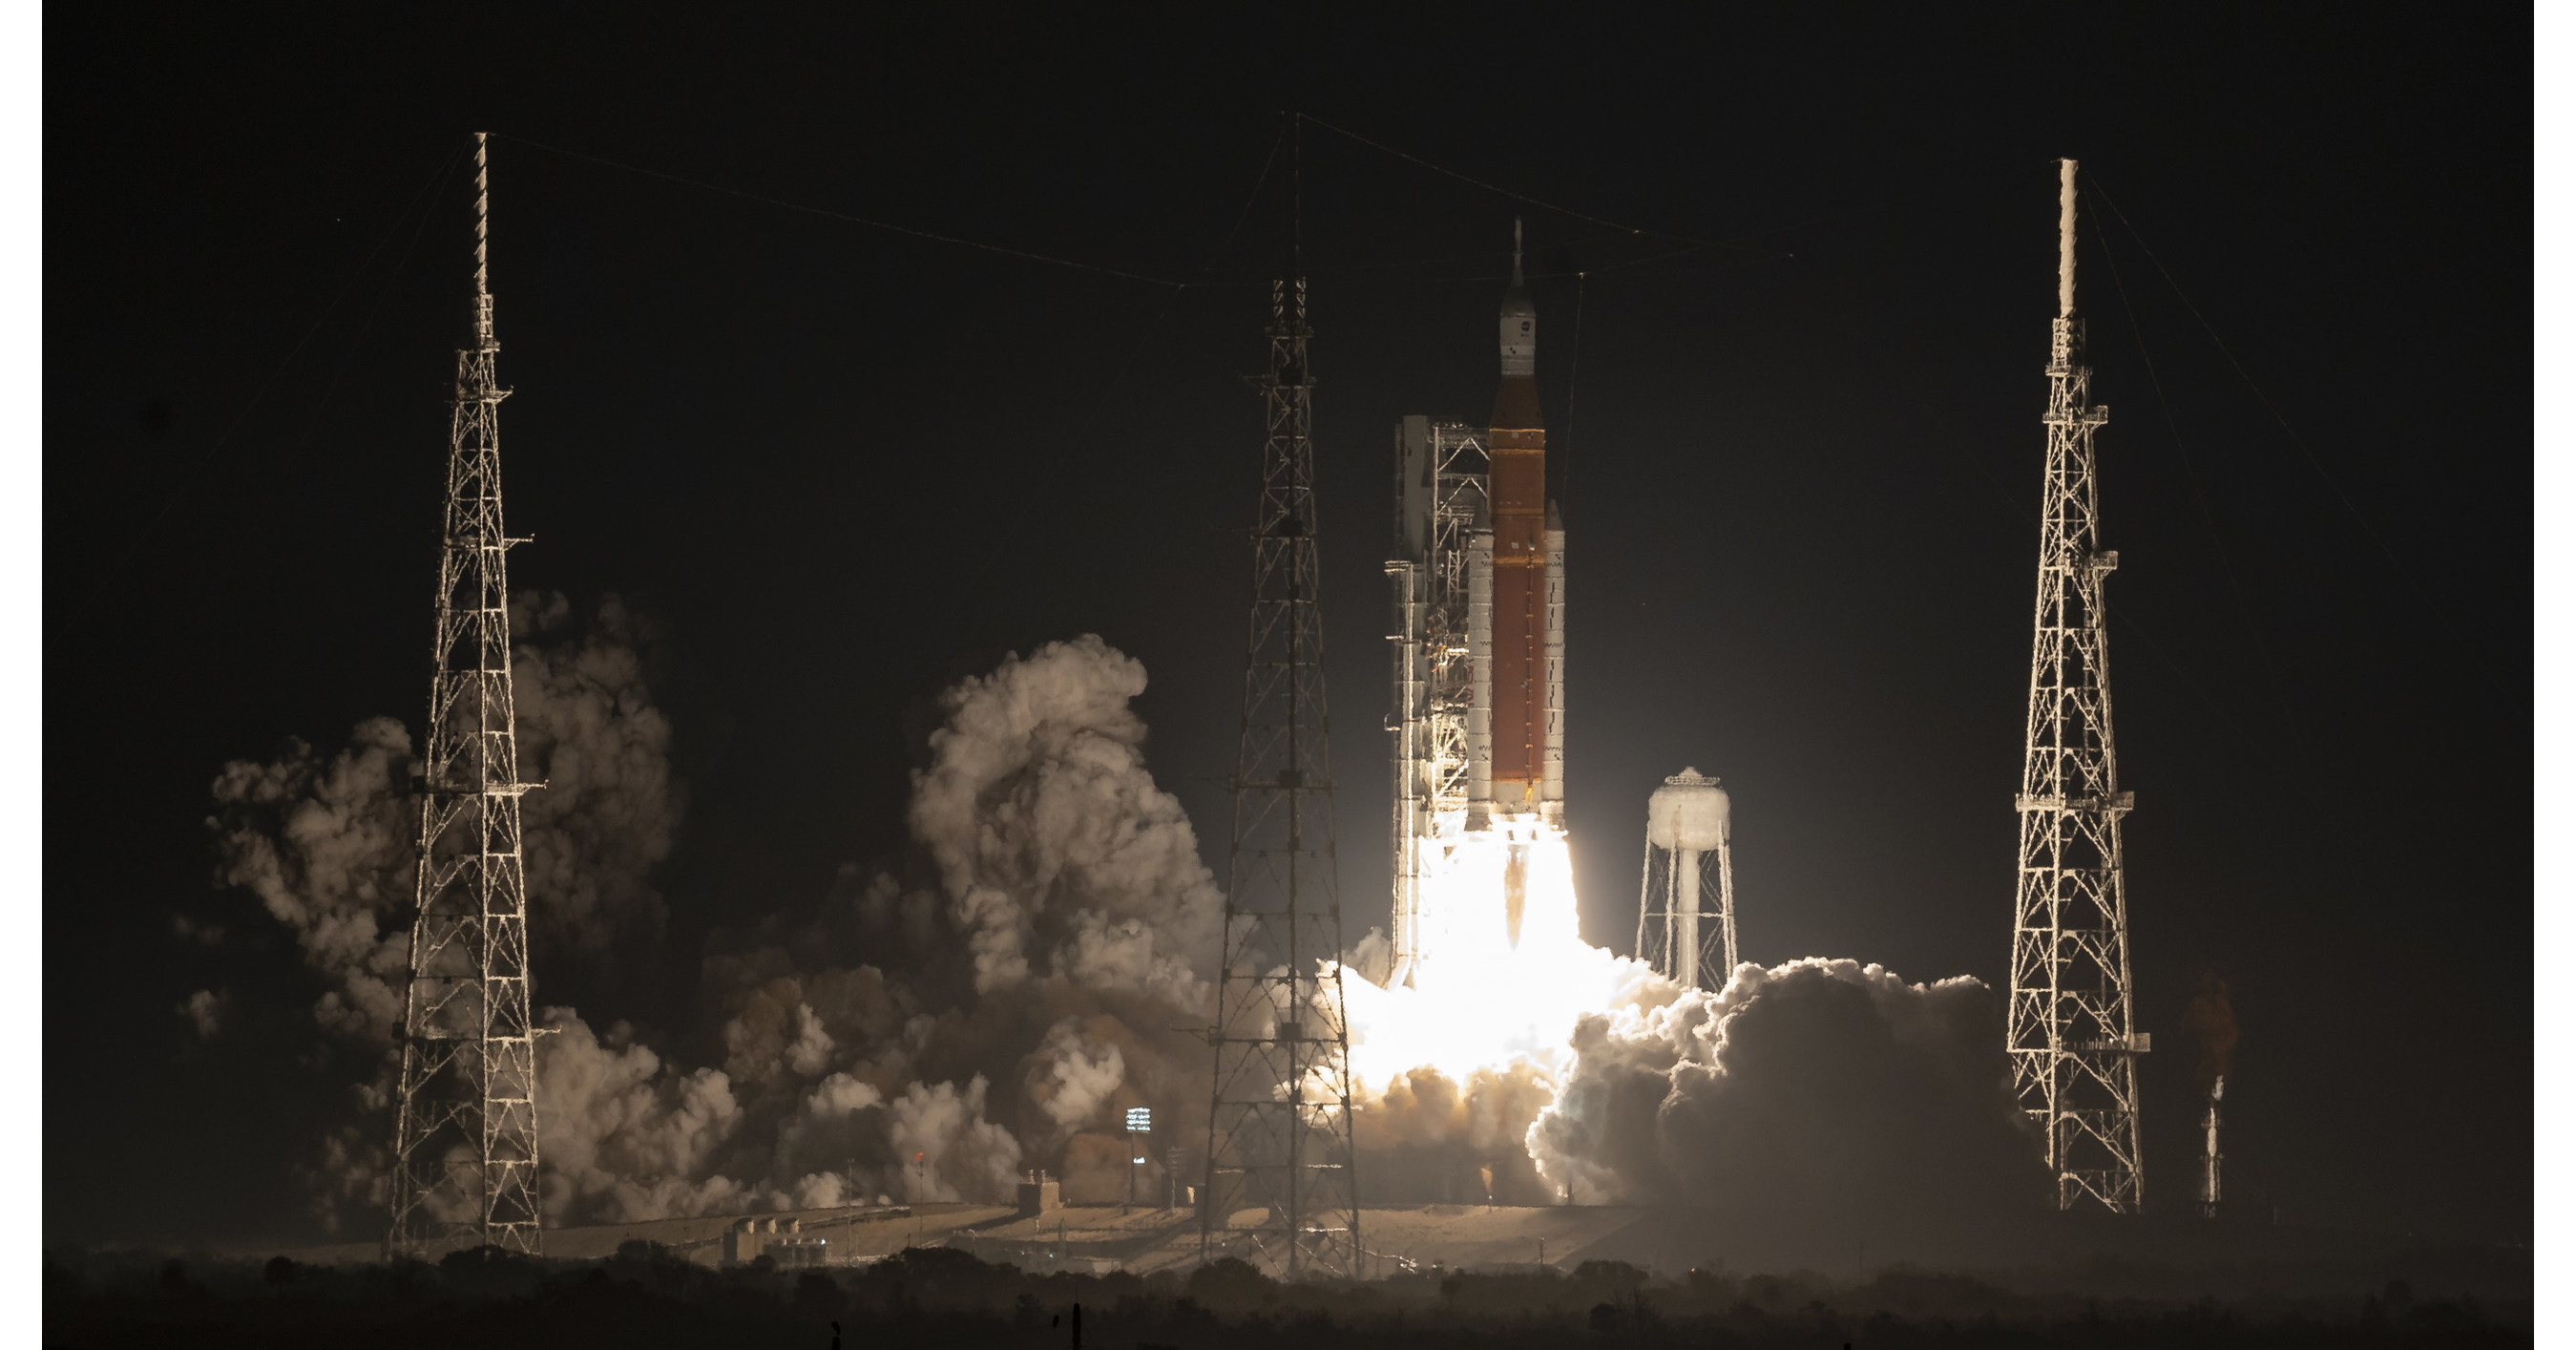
x=2072, y=1035
x=1440, y=494
x=465, y=1132
x=1279, y=1126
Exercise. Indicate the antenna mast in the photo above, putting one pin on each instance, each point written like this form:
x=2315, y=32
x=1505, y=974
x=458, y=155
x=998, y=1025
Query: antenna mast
x=2071, y=1029
x=465, y=1131
x=1279, y=1124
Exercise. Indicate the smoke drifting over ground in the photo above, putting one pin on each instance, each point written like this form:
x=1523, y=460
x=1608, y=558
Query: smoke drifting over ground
x=931, y=1040
x=912, y=1039
x=995, y=1001
x=326, y=841
x=1813, y=1091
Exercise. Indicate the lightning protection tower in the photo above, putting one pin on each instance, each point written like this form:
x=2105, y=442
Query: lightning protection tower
x=1686, y=901
x=2071, y=1030
x=465, y=1132
x=1279, y=1127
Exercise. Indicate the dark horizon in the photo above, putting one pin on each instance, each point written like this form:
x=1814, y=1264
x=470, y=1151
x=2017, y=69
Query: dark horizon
x=835, y=469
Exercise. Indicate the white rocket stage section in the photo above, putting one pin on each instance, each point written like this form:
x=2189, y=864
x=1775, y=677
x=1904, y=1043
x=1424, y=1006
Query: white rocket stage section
x=1478, y=639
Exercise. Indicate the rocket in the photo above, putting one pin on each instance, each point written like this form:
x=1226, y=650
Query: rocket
x=1478, y=641
x=1517, y=609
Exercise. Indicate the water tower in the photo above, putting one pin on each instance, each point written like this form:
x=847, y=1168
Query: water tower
x=1686, y=913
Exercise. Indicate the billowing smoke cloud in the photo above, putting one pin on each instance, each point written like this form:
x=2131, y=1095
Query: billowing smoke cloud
x=1488, y=1114
x=1429, y=1137
x=1051, y=840
x=911, y=1040
x=996, y=1001
x=327, y=841
x=932, y=1040
x=589, y=731
x=1806, y=1093
x=625, y=1134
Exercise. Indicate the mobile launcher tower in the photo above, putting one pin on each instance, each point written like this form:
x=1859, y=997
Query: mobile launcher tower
x=1479, y=640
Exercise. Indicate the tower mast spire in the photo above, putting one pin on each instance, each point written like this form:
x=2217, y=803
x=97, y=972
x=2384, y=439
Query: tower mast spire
x=2071, y=1029
x=482, y=245
x=1279, y=1122
x=465, y=1113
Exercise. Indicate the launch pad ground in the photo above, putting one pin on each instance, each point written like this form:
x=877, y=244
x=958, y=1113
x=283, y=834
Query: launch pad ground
x=1095, y=1239
x=2150, y=1257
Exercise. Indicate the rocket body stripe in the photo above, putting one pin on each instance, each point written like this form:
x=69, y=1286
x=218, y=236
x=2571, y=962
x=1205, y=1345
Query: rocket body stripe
x=1551, y=788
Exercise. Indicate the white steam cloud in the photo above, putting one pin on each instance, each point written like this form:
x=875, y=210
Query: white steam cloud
x=996, y=1001
x=1051, y=840
x=326, y=844
x=327, y=841
x=588, y=730
x=1808, y=1092
x=912, y=1040
x=930, y=1041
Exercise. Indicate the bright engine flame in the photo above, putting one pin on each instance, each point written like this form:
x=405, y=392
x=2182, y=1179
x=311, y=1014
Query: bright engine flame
x=1484, y=996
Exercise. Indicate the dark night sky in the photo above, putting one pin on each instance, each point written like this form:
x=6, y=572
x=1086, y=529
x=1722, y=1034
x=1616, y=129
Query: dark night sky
x=841, y=467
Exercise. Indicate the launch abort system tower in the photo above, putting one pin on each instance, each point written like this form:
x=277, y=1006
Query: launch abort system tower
x=465, y=1110
x=1279, y=1126
x=2071, y=1031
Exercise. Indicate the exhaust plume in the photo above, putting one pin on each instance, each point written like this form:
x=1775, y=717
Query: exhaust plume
x=2210, y=1017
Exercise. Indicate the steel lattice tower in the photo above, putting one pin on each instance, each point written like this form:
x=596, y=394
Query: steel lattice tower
x=1279, y=1124
x=465, y=1133
x=2071, y=1032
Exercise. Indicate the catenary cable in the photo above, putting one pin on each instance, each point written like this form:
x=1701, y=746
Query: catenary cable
x=1521, y=197
x=2342, y=498
x=846, y=217
x=2199, y=496
x=179, y=489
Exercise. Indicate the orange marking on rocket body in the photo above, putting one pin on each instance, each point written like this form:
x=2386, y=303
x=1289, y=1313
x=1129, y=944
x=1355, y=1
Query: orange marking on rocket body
x=1519, y=488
